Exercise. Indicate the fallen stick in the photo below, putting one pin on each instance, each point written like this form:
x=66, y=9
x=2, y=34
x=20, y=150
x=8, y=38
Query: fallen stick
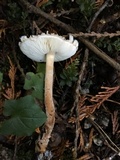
x=91, y=46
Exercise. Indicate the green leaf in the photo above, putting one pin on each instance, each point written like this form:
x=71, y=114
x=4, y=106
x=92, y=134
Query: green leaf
x=35, y=82
x=41, y=67
x=109, y=47
x=69, y=74
x=86, y=7
x=25, y=116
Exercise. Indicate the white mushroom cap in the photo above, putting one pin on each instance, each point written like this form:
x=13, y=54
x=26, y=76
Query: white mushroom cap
x=36, y=47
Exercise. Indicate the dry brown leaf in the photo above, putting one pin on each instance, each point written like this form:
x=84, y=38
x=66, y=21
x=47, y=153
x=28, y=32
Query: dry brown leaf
x=115, y=123
x=10, y=93
x=37, y=130
x=86, y=110
x=88, y=147
x=67, y=144
x=2, y=32
x=104, y=95
x=81, y=141
x=99, y=3
x=41, y=2
x=12, y=73
x=72, y=120
x=85, y=157
x=3, y=24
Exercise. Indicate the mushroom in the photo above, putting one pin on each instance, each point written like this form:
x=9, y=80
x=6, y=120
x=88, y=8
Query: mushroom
x=49, y=48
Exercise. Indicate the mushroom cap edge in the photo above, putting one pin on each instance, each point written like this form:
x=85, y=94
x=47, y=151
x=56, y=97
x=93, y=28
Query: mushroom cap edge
x=37, y=46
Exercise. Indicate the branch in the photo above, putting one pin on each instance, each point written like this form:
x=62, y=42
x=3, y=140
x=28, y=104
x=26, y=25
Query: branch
x=107, y=139
x=76, y=102
x=33, y=9
x=97, y=35
x=97, y=13
x=91, y=46
x=101, y=54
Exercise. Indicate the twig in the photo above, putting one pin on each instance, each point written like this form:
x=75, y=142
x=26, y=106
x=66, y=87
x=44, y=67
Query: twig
x=91, y=46
x=15, y=149
x=115, y=122
x=107, y=139
x=33, y=9
x=112, y=17
x=108, y=19
x=76, y=102
x=63, y=12
x=101, y=54
x=35, y=27
x=110, y=100
x=97, y=13
x=17, y=62
x=98, y=35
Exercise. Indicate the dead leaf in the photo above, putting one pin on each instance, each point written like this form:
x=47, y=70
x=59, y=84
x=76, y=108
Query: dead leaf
x=115, y=123
x=10, y=93
x=37, y=130
x=97, y=101
x=3, y=24
x=99, y=3
x=12, y=73
x=2, y=32
x=41, y=2
x=85, y=157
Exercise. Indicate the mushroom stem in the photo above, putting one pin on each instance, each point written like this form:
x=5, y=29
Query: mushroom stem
x=49, y=104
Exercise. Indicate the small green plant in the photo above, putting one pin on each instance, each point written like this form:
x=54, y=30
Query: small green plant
x=35, y=83
x=104, y=43
x=24, y=115
x=69, y=74
x=86, y=6
x=116, y=44
x=14, y=12
x=109, y=44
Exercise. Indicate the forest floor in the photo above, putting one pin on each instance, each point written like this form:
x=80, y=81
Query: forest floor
x=86, y=87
